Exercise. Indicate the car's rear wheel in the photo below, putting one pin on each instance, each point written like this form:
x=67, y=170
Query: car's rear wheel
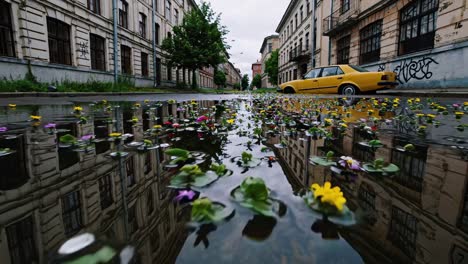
x=289, y=90
x=349, y=89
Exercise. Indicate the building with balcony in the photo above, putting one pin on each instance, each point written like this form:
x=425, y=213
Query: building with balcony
x=302, y=46
x=419, y=39
x=270, y=44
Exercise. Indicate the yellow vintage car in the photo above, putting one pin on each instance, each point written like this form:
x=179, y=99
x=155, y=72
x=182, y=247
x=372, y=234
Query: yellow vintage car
x=340, y=79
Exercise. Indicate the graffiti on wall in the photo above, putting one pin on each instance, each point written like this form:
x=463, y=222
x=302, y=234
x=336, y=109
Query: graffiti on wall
x=83, y=50
x=418, y=69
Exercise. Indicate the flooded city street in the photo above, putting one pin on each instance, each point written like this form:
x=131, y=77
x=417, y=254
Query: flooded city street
x=234, y=179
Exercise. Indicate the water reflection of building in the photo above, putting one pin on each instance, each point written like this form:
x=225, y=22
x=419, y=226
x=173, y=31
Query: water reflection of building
x=418, y=216
x=49, y=194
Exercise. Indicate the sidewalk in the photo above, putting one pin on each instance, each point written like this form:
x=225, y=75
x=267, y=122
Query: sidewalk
x=448, y=92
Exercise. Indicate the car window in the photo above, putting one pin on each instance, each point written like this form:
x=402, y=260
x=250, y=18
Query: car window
x=357, y=68
x=312, y=74
x=340, y=71
x=330, y=71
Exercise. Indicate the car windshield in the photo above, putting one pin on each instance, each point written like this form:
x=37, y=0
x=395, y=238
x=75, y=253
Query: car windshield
x=357, y=68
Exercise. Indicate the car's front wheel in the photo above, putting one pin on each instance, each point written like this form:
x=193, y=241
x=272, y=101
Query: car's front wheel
x=289, y=90
x=349, y=89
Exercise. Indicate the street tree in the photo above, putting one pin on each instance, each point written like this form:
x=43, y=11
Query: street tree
x=245, y=82
x=271, y=67
x=198, y=42
x=220, y=78
x=257, y=81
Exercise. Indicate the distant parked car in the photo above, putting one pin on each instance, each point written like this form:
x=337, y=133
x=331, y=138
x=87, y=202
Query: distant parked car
x=340, y=79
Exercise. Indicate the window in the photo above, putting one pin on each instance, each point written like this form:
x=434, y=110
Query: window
x=343, y=45
x=105, y=191
x=158, y=29
x=126, y=58
x=345, y=6
x=95, y=6
x=331, y=71
x=270, y=47
x=101, y=133
x=98, y=52
x=370, y=42
x=14, y=164
x=412, y=165
x=130, y=168
x=59, y=41
x=295, y=19
x=295, y=74
x=366, y=197
x=168, y=10
x=71, y=213
x=361, y=152
x=142, y=25
x=123, y=13
x=307, y=41
x=21, y=243
x=292, y=27
x=176, y=16
x=150, y=201
x=132, y=220
x=302, y=13
x=154, y=240
x=169, y=72
x=147, y=168
x=67, y=157
x=144, y=64
x=7, y=45
x=417, y=26
x=403, y=231
x=308, y=6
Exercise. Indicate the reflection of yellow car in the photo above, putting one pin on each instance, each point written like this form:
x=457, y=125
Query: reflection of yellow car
x=341, y=79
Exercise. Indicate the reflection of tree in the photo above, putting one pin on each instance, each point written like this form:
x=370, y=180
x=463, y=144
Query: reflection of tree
x=259, y=228
x=202, y=234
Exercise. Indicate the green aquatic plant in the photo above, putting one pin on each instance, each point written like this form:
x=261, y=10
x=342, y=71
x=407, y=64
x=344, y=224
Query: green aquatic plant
x=246, y=157
x=220, y=169
x=324, y=161
x=409, y=147
x=68, y=139
x=192, y=175
x=380, y=166
x=206, y=211
x=181, y=155
x=254, y=194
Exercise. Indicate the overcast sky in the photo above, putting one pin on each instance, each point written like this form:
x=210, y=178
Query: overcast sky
x=249, y=22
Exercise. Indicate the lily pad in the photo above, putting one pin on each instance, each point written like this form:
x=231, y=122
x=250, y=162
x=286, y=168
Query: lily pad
x=322, y=161
x=192, y=177
x=205, y=211
x=390, y=168
x=346, y=217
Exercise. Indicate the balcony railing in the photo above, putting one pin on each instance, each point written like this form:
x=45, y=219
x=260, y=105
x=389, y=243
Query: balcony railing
x=299, y=55
x=343, y=16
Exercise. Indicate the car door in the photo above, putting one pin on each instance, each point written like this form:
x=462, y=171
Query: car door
x=310, y=82
x=330, y=79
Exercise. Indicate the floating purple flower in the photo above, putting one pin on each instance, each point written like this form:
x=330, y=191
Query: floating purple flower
x=185, y=194
x=87, y=137
x=3, y=129
x=202, y=119
x=50, y=126
x=349, y=163
x=180, y=109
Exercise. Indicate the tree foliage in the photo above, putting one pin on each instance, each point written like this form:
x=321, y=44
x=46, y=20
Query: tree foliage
x=257, y=81
x=198, y=42
x=245, y=82
x=220, y=78
x=271, y=67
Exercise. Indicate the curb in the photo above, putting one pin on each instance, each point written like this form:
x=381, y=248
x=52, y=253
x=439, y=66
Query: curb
x=455, y=93
x=45, y=94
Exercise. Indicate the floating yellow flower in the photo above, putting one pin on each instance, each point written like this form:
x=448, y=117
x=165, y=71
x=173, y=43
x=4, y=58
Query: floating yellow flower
x=230, y=121
x=104, y=101
x=137, y=105
x=78, y=108
x=459, y=115
x=431, y=116
x=465, y=104
x=234, y=114
x=262, y=111
x=157, y=126
x=417, y=100
x=36, y=118
x=12, y=105
x=420, y=115
x=344, y=125
x=135, y=119
x=147, y=101
x=115, y=135
x=331, y=196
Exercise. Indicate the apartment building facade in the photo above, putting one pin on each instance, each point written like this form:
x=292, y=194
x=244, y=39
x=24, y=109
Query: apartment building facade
x=302, y=45
x=425, y=42
x=270, y=44
x=73, y=40
x=256, y=69
x=233, y=75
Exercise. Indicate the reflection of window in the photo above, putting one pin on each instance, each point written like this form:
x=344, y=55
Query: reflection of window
x=343, y=46
x=21, y=244
x=403, y=231
x=147, y=168
x=337, y=140
x=71, y=212
x=101, y=131
x=370, y=42
x=366, y=198
x=150, y=201
x=154, y=240
x=361, y=152
x=132, y=220
x=67, y=157
x=464, y=215
x=130, y=167
x=7, y=45
x=417, y=26
x=313, y=74
x=105, y=191
x=13, y=165
x=412, y=165
x=59, y=41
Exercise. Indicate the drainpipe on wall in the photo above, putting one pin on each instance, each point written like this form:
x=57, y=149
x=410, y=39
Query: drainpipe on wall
x=154, y=44
x=116, y=61
x=313, y=34
x=329, y=38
